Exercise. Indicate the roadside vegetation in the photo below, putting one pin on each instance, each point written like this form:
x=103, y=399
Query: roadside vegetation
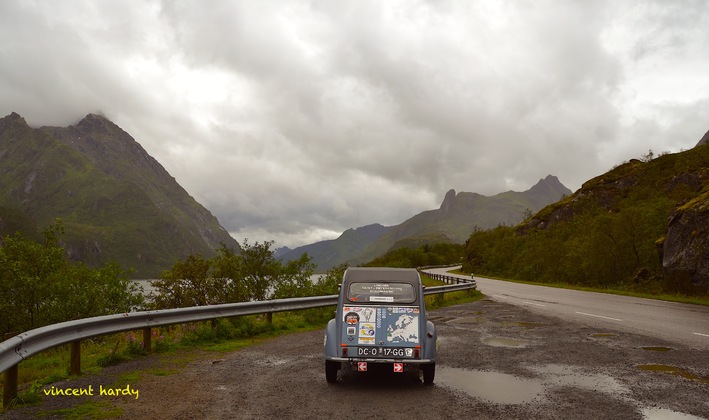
x=608, y=235
x=253, y=274
x=40, y=286
x=186, y=341
x=421, y=256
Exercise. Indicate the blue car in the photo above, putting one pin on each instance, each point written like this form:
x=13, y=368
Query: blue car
x=381, y=319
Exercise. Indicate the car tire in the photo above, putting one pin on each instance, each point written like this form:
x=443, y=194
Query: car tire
x=331, y=369
x=429, y=373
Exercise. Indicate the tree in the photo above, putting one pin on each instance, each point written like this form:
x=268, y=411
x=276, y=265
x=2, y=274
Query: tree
x=39, y=286
x=329, y=284
x=187, y=283
x=295, y=279
x=260, y=269
x=254, y=274
x=227, y=266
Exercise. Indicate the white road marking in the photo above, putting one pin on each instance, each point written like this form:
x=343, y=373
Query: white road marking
x=599, y=316
x=535, y=304
x=703, y=335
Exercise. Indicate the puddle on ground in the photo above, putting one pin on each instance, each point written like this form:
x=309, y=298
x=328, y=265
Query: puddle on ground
x=562, y=375
x=505, y=342
x=658, y=349
x=676, y=371
x=503, y=388
x=499, y=388
x=665, y=414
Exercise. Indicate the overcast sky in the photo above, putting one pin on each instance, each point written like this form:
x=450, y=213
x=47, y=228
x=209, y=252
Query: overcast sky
x=295, y=120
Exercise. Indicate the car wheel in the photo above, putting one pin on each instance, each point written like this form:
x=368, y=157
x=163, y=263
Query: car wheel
x=331, y=369
x=429, y=373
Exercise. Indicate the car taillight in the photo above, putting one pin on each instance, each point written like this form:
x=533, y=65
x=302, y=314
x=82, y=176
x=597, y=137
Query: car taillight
x=417, y=352
x=345, y=351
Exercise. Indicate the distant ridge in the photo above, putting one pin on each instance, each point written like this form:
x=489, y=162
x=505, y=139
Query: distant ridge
x=453, y=221
x=460, y=213
x=115, y=200
x=333, y=252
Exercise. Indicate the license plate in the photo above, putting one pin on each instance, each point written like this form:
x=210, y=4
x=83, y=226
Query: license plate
x=393, y=352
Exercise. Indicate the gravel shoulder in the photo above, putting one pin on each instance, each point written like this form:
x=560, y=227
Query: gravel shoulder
x=496, y=361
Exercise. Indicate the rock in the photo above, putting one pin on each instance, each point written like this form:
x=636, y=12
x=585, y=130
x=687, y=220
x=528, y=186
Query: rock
x=685, y=250
x=448, y=201
x=704, y=140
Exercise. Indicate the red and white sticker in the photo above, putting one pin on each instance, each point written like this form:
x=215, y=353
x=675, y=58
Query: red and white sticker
x=362, y=366
x=398, y=367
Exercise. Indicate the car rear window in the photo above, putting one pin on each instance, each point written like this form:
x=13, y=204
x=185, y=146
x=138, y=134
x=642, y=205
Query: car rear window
x=381, y=292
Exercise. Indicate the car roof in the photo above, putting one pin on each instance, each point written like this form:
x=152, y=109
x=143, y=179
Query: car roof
x=370, y=274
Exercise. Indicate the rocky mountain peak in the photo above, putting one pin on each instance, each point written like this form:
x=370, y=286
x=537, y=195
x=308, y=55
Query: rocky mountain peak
x=704, y=139
x=448, y=200
x=12, y=120
x=549, y=185
x=94, y=122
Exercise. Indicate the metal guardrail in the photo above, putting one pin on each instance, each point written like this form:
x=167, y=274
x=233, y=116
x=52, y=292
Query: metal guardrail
x=451, y=279
x=26, y=344
x=31, y=342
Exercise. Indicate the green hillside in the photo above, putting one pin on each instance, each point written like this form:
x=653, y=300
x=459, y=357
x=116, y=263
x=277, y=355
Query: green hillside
x=116, y=202
x=610, y=233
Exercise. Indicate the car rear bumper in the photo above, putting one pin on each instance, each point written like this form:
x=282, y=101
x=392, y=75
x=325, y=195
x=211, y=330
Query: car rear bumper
x=372, y=360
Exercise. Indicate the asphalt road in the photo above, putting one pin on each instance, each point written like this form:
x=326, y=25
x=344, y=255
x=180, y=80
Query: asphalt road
x=675, y=322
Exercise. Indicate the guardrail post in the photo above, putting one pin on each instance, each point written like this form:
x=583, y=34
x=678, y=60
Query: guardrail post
x=147, y=337
x=75, y=358
x=269, y=318
x=9, y=391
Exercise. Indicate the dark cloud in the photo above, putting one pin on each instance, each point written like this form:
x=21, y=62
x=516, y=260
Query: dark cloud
x=294, y=121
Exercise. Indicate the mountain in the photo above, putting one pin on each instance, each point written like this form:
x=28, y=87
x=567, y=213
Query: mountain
x=279, y=252
x=333, y=252
x=458, y=215
x=116, y=202
x=461, y=213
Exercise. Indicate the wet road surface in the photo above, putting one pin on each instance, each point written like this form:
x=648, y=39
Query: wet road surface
x=677, y=322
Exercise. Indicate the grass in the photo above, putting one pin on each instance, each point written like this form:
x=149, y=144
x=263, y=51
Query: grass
x=696, y=300
x=448, y=299
x=91, y=409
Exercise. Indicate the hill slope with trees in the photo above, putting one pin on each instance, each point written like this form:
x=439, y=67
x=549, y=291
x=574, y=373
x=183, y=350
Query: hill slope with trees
x=640, y=226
